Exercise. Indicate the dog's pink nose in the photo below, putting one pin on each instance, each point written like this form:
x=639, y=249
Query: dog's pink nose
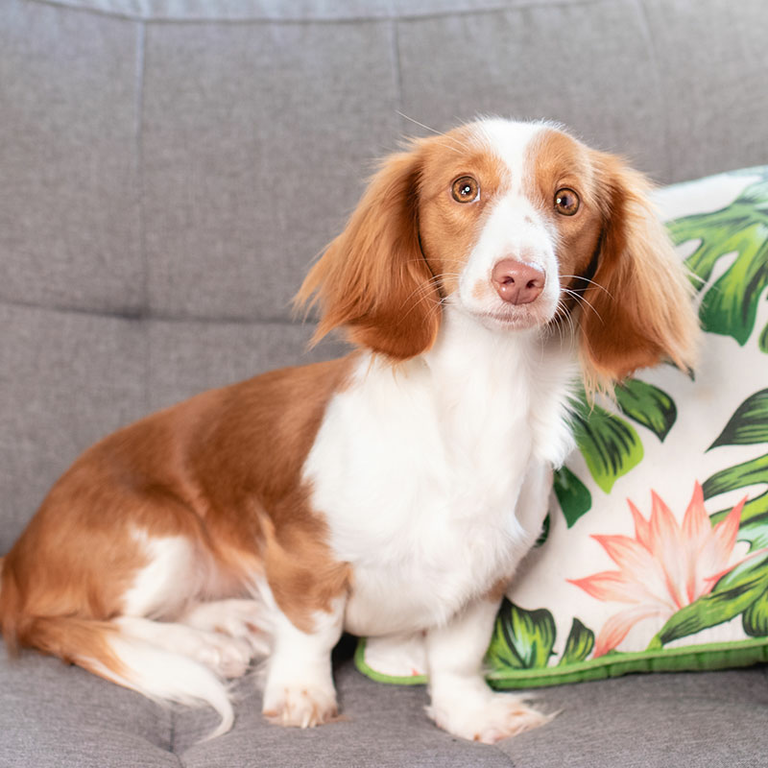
x=516, y=282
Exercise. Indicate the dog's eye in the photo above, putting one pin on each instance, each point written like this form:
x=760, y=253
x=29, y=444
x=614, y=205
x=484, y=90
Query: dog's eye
x=566, y=201
x=465, y=190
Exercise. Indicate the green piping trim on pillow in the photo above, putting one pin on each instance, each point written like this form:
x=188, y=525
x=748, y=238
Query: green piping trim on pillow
x=704, y=657
x=379, y=677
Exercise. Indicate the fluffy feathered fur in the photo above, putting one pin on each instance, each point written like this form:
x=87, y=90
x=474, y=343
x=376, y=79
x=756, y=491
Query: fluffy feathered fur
x=482, y=275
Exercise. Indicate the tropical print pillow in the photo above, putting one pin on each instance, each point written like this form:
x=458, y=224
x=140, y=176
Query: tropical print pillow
x=654, y=555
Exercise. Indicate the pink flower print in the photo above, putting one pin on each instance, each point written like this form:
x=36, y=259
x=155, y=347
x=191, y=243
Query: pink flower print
x=664, y=567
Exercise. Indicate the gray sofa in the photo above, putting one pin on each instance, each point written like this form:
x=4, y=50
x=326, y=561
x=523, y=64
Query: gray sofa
x=168, y=168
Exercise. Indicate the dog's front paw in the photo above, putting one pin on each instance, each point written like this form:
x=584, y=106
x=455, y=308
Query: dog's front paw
x=488, y=719
x=301, y=707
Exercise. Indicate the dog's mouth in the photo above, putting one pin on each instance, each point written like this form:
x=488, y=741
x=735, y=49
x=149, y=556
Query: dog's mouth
x=515, y=317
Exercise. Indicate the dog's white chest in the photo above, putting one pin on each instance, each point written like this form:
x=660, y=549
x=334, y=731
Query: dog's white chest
x=422, y=576
x=420, y=484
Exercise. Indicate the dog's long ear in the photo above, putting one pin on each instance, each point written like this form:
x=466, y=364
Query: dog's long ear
x=372, y=279
x=640, y=305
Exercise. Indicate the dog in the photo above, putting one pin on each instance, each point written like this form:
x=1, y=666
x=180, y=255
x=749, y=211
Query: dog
x=485, y=273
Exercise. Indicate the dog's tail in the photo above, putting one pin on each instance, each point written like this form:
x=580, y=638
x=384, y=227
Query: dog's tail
x=159, y=674
x=101, y=648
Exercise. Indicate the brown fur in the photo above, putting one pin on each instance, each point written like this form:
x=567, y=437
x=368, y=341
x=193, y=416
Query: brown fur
x=222, y=470
x=559, y=161
x=638, y=309
x=372, y=279
x=449, y=229
x=642, y=312
x=382, y=279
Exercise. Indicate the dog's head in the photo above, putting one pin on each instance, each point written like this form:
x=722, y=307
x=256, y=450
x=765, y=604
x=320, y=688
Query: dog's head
x=518, y=225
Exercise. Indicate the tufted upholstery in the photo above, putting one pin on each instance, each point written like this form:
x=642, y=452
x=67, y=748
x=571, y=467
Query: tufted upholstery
x=168, y=168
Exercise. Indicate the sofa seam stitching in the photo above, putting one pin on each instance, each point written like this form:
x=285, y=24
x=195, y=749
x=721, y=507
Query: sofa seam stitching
x=140, y=79
x=172, y=736
x=397, y=69
x=660, y=86
x=510, y=761
x=392, y=16
x=139, y=317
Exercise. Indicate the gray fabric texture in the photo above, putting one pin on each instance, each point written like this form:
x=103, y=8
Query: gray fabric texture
x=547, y=60
x=381, y=727
x=80, y=376
x=66, y=379
x=710, y=59
x=185, y=358
x=56, y=715
x=695, y=720
x=297, y=10
x=169, y=169
x=69, y=215
x=255, y=200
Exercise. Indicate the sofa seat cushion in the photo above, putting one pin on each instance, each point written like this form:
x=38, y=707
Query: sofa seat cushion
x=52, y=714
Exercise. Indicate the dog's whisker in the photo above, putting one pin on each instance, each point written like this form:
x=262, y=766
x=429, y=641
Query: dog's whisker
x=432, y=281
x=462, y=146
x=424, y=286
x=561, y=311
x=314, y=488
x=416, y=122
x=581, y=300
x=591, y=282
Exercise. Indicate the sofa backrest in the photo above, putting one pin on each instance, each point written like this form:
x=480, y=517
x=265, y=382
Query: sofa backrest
x=168, y=168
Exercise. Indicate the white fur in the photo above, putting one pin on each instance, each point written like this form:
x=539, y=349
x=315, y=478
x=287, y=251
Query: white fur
x=513, y=229
x=172, y=575
x=167, y=676
x=183, y=661
x=461, y=702
x=418, y=469
x=432, y=476
x=243, y=619
x=299, y=687
x=225, y=655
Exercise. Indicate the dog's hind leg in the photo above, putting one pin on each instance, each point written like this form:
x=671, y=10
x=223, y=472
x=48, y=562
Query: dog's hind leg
x=225, y=655
x=242, y=619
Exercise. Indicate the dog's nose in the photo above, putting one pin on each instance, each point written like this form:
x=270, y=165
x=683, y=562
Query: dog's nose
x=516, y=282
